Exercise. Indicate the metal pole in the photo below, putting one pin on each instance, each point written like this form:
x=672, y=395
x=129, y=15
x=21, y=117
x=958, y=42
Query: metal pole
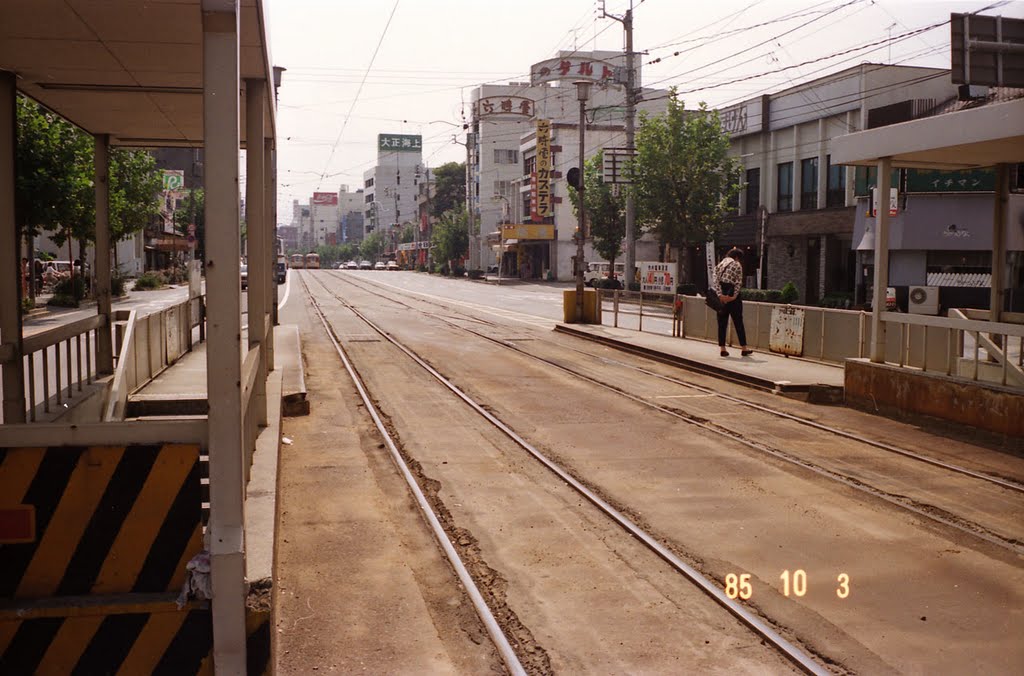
x=881, y=261
x=630, y=146
x=223, y=357
x=104, y=337
x=999, y=245
x=256, y=219
x=581, y=213
x=763, y=211
x=473, y=252
x=10, y=273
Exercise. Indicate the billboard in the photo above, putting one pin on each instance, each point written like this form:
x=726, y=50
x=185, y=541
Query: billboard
x=573, y=68
x=402, y=143
x=657, y=277
x=173, y=179
x=329, y=199
x=504, y=105
x=541, y=181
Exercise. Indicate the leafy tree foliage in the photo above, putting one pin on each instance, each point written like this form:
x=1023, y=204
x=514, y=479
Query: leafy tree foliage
x=683, y=176
x=450, y=240
x=407, y=234
x=135, y=186
x=606, y=213
x=373, y=245
x=337, y=253
x=449, y=192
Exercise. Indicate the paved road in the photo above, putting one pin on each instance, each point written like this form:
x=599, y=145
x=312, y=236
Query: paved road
x=922, y=596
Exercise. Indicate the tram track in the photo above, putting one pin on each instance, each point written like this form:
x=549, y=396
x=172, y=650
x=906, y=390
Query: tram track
x=760, y=627
x=920, y=508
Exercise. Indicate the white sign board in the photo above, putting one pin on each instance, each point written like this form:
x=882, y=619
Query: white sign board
x=894, y=201
x=709, y=256
x=657, y=277
x=787, y=332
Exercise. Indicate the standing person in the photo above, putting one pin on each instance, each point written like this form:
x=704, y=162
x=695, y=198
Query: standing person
x=728, y=283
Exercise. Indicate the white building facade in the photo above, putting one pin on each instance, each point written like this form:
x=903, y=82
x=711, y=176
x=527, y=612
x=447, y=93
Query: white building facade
x=390, y=188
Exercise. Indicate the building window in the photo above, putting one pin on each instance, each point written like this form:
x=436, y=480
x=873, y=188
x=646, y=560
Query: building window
x=529, y=165
x=503, y=188
x=753, y=190
x=502, y=156
x=785, y=187
x=809, y=183
x=835, y=196
x=369, y=183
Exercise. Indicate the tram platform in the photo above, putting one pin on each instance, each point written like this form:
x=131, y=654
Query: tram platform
x=817, y=381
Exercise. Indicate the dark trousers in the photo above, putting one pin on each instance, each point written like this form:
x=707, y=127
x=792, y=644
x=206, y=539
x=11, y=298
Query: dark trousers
x=734, y=310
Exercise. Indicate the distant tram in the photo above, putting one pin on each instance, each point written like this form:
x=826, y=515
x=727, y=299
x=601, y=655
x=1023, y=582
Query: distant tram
x=297, y=261
x=312, y=261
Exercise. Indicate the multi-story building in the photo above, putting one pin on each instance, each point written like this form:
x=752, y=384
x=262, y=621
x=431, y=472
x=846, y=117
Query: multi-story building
x=503, y=159
x=350, y=214
x=289, y=235
x=303, y=224
x=389, y=189
x=324, y=218
x=803, y=204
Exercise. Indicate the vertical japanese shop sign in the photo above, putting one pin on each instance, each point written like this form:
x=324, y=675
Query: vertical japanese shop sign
x=542, y=186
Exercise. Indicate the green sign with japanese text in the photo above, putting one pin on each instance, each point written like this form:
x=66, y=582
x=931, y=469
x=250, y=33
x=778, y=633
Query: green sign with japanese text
x=409, y=143
x=966, y=180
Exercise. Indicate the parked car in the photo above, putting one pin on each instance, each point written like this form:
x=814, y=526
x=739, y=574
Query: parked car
x=351, y=265
x=392, y=265
x=245, y=276
x=365, y=265
x=598, y=270
x=379, y=265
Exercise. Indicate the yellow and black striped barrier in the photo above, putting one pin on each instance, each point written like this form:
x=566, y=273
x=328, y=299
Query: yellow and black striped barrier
x=110, y=636
x=94, y=543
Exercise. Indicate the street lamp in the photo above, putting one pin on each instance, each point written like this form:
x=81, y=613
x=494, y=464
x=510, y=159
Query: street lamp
x=582, y=94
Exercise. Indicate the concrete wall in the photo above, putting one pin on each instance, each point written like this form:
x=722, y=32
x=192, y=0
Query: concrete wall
x=889, y=388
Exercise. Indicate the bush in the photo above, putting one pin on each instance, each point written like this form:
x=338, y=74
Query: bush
x=476, y=274
x=634, y=286
x=118, y=285
x=421, y=268
x=148, y=281
x=608, y=284
x=789, y=293
x=687, y=290
x=26, y=305
x=459, y=271
x=64, y=288
x=62, y=300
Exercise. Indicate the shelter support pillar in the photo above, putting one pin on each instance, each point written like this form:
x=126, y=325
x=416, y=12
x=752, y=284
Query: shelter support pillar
x=270, y=221
x=224, y=329
x=256, y=235
x=881, y=260
x=999, y=243
x=10, y=267
x=104, y=337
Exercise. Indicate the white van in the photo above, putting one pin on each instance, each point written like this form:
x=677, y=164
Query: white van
x=598, y=270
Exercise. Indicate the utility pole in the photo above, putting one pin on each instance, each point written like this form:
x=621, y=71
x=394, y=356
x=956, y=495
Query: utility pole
x=627, y=25
x=474, y=246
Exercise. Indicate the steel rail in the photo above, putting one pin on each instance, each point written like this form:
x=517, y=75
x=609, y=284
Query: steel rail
x=881, y=445
x=797, y=656
x=501, y=642
x=975, y=530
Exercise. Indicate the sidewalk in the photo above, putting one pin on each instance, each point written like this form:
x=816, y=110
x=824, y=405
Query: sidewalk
x=821, y=382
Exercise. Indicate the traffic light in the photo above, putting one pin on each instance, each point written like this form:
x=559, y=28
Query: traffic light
x=573, y=176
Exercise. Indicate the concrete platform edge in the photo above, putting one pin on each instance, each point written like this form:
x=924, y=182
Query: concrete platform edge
x=689, y=364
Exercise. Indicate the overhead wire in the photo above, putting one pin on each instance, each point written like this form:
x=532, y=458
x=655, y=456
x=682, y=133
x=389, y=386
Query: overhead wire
x=358, y=91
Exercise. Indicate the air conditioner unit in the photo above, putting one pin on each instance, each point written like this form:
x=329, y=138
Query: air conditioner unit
x=924, y=300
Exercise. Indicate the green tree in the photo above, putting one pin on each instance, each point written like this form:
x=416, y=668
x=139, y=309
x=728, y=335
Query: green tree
x=407, y=233
x=54, y=185
x=605, y=212
x=193, y=212
x=373, y=245
x=449, y=193
x=450, y=240
x=683, y=176
x=135, y=186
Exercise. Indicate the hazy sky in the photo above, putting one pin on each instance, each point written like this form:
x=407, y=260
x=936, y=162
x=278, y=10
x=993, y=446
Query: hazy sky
x=434, y=52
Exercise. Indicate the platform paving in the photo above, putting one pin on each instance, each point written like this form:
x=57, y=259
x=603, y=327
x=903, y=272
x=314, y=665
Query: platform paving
x=765, y=370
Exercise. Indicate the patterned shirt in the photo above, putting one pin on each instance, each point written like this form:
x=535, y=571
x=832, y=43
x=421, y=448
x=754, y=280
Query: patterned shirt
x=729, y=271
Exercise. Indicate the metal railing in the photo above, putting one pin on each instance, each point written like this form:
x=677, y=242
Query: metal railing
x=965, y=344
x=65, y=357
x=146, y=345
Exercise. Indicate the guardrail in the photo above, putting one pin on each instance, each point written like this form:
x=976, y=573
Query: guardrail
x=147, y=345
x=965, y=344
x=63, y=377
